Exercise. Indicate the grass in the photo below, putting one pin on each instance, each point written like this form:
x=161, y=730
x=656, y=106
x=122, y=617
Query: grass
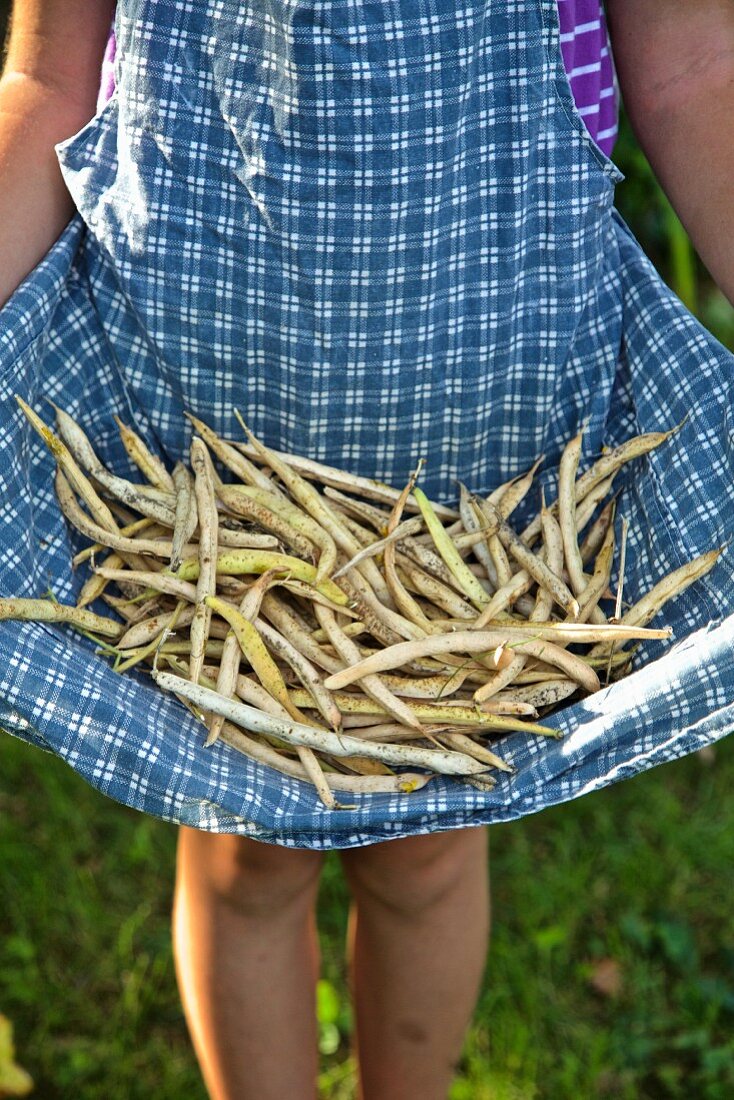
x=611, y=969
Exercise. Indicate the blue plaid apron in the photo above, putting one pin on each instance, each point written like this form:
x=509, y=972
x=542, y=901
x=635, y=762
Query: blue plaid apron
x=382, y=230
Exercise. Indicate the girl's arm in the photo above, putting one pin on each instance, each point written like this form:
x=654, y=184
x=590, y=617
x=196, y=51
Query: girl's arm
x=48, y=91
x=675, y=61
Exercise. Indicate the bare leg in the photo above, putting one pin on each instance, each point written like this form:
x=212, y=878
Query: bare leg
x=419, y=936
x=247, y=962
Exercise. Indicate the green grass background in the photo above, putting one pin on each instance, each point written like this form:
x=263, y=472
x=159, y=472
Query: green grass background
x=634, y=881
x=611, y=969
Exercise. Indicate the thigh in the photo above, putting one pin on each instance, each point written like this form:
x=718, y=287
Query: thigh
x=416, y=872
x=247, y=873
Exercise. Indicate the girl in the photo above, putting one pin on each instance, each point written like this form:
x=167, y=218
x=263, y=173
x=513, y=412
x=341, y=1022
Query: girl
x=384, y=229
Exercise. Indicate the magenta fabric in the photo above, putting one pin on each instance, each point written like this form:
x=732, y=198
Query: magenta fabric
x=107, y=76
x=587, y=57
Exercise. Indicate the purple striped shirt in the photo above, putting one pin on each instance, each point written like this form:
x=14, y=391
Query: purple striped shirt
x=107, y=76
x=587, y=57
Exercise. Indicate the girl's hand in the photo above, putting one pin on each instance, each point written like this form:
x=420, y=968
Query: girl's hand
x=675, y=61
x=48, y=91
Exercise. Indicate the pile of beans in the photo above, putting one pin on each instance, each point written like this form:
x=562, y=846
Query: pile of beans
x=342, y=631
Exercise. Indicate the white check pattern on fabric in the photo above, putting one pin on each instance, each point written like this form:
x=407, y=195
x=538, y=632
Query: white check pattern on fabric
x=423, y=258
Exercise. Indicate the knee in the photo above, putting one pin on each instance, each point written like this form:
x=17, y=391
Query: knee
x=254, y=878
x=412, y=875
